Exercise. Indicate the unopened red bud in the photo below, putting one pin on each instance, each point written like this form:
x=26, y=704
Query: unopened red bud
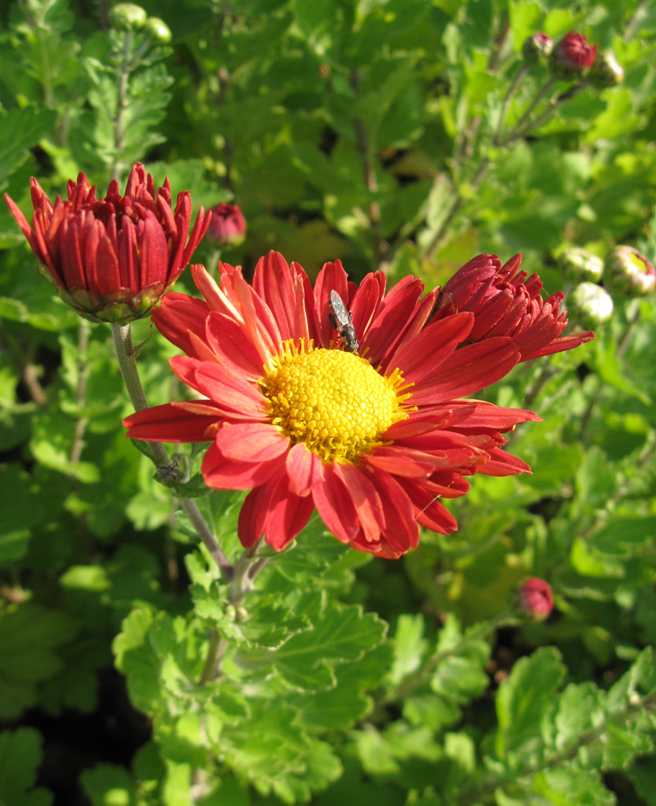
x=127, y=17
x=578, y=265
x=227, y=225
x=534, y=599
x=606, y=71
x=590, y=305
x=629, y=273
x=573, y=56
x=537, y=48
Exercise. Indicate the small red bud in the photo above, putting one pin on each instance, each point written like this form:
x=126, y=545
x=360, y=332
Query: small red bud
x=227, y=225
x=534, y=599
x=573, y=56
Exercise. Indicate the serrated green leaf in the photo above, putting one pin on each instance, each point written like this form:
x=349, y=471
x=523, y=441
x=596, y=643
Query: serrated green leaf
x=109, y=785
x=29, y=636
x=580, y=708
x=523, y=700
x=569, y=786
x=409, y=647
x=20, y=755
x=306, y=659
x=20, y=130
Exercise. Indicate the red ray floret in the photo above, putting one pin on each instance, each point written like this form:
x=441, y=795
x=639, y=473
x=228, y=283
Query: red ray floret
x=112, y=259
x=506, y=302
x=376, y=502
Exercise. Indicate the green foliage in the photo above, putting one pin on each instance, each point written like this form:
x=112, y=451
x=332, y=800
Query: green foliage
x=400, y=135
x=20, y=755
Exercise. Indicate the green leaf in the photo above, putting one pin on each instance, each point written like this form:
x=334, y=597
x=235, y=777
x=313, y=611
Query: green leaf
x=523, y=702
x=109, y=785
x=409, y=647
x=306, y=659
x=580, y=708
x=570, y=786
x=21, y=130
x=20, y=755
x=52, y=441
x=29, y=636
x=21, y=510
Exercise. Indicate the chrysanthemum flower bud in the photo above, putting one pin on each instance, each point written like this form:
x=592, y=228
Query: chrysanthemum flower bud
x=507, y=302
x=579, y=265
x=127, y=17
x=157, y=30
x=629, y=273
x=112, y=259
x=573, y=56
x=537, y=48
x=227, y=225
x=534, y=599
x=590, y=305
x=606, y=71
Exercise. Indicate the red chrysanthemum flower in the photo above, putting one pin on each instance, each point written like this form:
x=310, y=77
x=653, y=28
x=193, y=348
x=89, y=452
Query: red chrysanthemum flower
x=372, y=440
x=534, y=599
x=507, y=303
x=112, y=259
x=227, y=225
x=573, y=55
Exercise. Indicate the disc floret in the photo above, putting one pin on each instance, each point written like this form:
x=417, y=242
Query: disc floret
x=333, y=401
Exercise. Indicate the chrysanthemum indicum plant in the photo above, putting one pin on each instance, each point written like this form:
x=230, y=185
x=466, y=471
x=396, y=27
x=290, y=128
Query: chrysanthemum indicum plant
x=372, y=433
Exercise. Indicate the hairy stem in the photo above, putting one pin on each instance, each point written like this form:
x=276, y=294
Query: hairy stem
x=485, y=789
x=126, y=358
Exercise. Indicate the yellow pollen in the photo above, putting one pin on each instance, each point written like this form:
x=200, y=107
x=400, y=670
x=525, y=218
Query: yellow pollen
x=333, y=401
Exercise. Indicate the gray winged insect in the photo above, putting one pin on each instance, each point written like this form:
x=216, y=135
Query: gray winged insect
x=340, y=319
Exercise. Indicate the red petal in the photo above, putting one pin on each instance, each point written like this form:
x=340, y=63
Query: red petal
x=305, y=469
x=429, y=512
x=251, y=442
x=392, y=317
x=273, y=283
x=229, y=389
x=503, y=464
x=228, y=340
x=401, y=462
x=365, y=498
x=154, y=251
x=227, y=474
x=560, y=345
x=169, y=423
x=335, y=507
x=468, y=370
x=179, y=315
x=273, y=511
x=331, y=277
x=420, y=357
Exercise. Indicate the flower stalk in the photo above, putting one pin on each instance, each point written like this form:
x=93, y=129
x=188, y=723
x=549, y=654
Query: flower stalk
x=125, y=354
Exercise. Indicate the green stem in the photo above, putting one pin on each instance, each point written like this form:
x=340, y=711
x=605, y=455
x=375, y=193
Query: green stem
x=506, y=102
x=83, y=376
x=486, y=788
x=596, y=394
x=554, y=104
x=248, y=566
x=541, y=94
x=126, y=359
x=122, y=74
x=423, y=675
x=455, y=208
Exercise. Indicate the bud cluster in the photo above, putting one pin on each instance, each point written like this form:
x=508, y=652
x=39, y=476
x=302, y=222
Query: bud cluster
x=626, y=273
x=131, y=18
x=574, y=58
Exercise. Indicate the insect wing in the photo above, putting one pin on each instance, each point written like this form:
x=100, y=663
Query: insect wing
x=342, y=318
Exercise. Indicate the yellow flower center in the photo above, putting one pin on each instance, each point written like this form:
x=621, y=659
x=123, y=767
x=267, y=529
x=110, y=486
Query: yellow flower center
x=333, y=401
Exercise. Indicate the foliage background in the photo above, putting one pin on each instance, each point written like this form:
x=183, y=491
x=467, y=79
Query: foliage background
x=362, y=131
